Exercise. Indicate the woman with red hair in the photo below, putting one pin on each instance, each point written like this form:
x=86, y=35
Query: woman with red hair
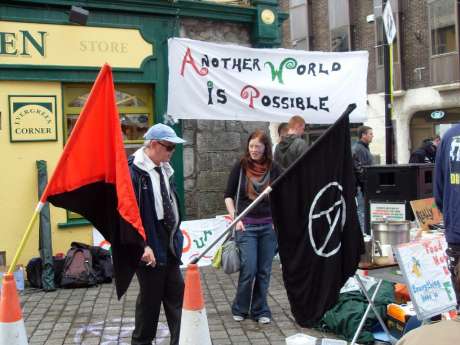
x=254, y=234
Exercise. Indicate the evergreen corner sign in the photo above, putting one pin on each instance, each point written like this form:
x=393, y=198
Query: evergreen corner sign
x=229, y=82
x=32, y=118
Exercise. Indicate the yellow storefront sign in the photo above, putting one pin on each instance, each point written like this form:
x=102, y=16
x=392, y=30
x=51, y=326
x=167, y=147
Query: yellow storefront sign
x=73, y=46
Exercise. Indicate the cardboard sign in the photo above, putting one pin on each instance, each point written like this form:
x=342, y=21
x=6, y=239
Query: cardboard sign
x=424, y=266
x=426, y=212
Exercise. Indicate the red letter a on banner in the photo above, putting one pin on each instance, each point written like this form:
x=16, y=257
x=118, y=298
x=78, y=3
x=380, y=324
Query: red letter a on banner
x=188, y=58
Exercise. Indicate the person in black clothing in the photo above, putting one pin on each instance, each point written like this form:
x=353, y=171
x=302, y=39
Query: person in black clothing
x=159, y=276
x=362, y=156
x=425, y=153
x=283, y=129
x=255, y=234
x=447, y=197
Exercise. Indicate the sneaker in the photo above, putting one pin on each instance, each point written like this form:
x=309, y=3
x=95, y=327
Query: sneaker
x=264, y=320
x=238, y=318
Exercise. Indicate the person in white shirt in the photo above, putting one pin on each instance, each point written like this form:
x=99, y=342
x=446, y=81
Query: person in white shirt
x=159, y=275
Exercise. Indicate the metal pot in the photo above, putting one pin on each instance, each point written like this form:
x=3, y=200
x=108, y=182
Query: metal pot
x=390, y=232
x=366, y=258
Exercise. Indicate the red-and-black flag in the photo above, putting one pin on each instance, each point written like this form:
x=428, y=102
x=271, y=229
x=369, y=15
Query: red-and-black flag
x=92, y=179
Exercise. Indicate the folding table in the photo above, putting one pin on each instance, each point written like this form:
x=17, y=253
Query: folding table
x=381, y=273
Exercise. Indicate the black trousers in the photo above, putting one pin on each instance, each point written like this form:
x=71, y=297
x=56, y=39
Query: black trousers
x=453, y=253
x=160, y=284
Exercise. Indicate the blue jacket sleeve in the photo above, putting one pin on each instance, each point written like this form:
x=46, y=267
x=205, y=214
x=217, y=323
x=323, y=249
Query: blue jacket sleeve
x=439, y=177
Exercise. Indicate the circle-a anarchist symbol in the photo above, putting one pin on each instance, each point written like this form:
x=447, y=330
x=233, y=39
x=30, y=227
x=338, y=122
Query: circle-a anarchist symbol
x=338, y=210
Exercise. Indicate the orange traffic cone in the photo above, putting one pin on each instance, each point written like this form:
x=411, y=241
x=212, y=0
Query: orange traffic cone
x=194, y=324
x=12, y=329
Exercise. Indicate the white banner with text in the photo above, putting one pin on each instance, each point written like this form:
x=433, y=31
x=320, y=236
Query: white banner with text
x=198, y=235
x=212, y=81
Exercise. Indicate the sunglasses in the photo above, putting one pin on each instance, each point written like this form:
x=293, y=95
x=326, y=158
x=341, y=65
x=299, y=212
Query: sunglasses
x=168, y=148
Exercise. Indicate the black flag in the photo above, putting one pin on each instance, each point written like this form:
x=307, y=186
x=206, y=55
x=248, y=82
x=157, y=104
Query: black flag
x=314, y=212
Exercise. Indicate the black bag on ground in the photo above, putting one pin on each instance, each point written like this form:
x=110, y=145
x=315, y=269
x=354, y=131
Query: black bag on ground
x=102, y=264
x=78, y=267
x=34, y=271
x=58, y=264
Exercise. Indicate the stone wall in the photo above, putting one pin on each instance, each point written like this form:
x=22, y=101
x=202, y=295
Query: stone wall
x=286, y=41
x=211, y=150
x=212, y=146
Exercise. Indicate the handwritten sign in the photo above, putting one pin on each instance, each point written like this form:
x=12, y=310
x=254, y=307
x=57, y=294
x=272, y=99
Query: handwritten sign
x=382, y=211
x=198, y=235
x=424, y=265
x=228, y=82
x=426, y=212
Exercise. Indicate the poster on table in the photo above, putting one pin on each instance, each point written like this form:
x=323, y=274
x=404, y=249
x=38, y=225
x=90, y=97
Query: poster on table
x=424, y=265
x=426, y=212
x=211, y=81
x=198, y=235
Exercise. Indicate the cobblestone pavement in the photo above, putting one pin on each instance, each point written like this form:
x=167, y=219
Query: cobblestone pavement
x=95, y=316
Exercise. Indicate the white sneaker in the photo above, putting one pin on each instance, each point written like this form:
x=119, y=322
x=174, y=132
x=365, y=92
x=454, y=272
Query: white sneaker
x=264, y=320
x=238, y=318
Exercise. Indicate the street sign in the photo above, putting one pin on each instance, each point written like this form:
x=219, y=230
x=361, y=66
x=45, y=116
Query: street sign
x=389, y=23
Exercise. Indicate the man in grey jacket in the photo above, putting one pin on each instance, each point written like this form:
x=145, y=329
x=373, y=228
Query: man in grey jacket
x=362, y=156
x=292, y=145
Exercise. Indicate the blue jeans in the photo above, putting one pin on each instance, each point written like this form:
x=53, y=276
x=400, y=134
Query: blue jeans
x=257, y=245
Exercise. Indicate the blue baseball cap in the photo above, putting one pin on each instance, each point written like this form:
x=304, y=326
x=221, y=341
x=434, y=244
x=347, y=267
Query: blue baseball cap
x=163, y=132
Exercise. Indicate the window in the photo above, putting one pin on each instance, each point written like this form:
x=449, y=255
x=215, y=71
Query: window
x=442, y=23
x=135, y=108
x=299, y=21
x=442, y=26
x=339, y=25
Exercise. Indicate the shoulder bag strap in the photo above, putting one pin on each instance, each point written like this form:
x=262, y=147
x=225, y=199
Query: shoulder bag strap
x=237, y=199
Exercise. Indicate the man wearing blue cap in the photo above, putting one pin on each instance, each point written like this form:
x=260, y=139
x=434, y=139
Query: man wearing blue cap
x=159, y=275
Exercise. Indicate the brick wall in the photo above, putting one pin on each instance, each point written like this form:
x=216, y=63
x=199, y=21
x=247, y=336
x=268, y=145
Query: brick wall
x=416, y=45
x=320, y=25
x=285, y=30
x=363, y=35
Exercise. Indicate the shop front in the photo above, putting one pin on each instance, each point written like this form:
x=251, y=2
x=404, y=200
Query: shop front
x=430, y=123
x=47, y=67
x=47, y=72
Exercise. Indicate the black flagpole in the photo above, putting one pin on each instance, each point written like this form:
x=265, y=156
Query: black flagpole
x=267, y=190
